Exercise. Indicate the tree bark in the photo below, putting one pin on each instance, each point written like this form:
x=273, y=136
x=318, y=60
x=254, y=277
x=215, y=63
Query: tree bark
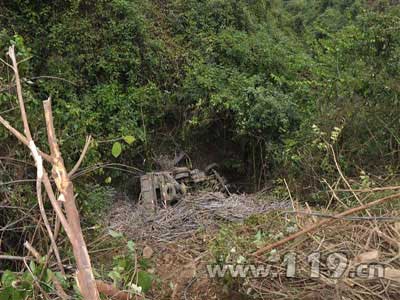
x=71, y=220
x=64, y=184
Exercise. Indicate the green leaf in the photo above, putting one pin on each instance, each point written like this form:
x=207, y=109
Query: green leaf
x=6, y=293
x=32, y=266
x=114, y=275
x=258, y=236
x=144, y=263
x=116, y=149
x=108, y=180
x=115, y=234
x=131, y=246
x=129, y=139
x=145, y=280
x=49, y=275
x=63, y=279
x=7, y=278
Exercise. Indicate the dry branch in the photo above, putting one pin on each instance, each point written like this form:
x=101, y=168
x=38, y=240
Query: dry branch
x=59, y=289
x=71, y=220
x=83, y=154
x=22, y=138
x=64, y=185
x=314, y=227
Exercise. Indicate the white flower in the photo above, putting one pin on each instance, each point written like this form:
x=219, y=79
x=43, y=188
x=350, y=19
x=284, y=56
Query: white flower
x=291, y=229
x=136, y=289
x=241, y=259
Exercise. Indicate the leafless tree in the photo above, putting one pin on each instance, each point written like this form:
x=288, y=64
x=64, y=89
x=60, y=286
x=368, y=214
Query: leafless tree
x=64, y=204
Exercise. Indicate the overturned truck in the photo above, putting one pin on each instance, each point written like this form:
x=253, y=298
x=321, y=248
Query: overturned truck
x=162, y=189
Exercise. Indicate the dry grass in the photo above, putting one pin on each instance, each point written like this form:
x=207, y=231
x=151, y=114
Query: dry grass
x=202, y=210
x=372, y=237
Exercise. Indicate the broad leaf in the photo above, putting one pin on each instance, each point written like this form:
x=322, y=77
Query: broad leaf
x=145, y=280
x=115, y=234
x=129, y=139
x=116, y=149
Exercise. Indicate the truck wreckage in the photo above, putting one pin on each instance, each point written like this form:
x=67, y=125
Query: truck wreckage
x=162, y=189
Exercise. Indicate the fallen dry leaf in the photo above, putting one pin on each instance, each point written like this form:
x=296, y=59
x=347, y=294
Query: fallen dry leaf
x=147, y=252
x=366, y=257
x=392, y=274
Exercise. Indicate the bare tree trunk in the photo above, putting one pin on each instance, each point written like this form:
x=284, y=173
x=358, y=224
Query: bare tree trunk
x=66, y=188
x=71, y=220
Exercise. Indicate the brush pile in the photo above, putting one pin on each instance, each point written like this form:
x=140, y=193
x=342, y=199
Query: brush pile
x=198, y=211
x=358, y=257
x=354, y=255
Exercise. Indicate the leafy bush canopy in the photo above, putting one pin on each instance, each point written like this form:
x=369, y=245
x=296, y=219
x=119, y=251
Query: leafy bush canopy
x=264, y=71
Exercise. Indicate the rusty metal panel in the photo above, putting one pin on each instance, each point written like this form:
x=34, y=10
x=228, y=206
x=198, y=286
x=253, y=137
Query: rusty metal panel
x=149, y=195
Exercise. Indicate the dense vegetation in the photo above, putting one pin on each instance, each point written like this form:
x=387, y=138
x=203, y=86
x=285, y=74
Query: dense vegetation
x=266, y=88
x=260, y=81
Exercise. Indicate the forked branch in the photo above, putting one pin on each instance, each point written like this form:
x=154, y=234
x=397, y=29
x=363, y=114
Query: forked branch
x=71, y=220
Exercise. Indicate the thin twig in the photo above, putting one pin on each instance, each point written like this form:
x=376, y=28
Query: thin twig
x=322, y=215
x=59, y=289
x=370, y=190
x=32, y=250
x=344, y=178
x=6, y=63
x=12, y=257
x=11, y=54
x=50, y=233
x=83, y=154
x=56, y=204
x=52, y=77
x=291, y=200
x=324, y=222
x=36, y=281
x=22, y=138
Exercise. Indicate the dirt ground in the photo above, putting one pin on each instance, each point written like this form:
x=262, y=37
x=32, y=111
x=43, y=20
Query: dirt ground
x=178, y=239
